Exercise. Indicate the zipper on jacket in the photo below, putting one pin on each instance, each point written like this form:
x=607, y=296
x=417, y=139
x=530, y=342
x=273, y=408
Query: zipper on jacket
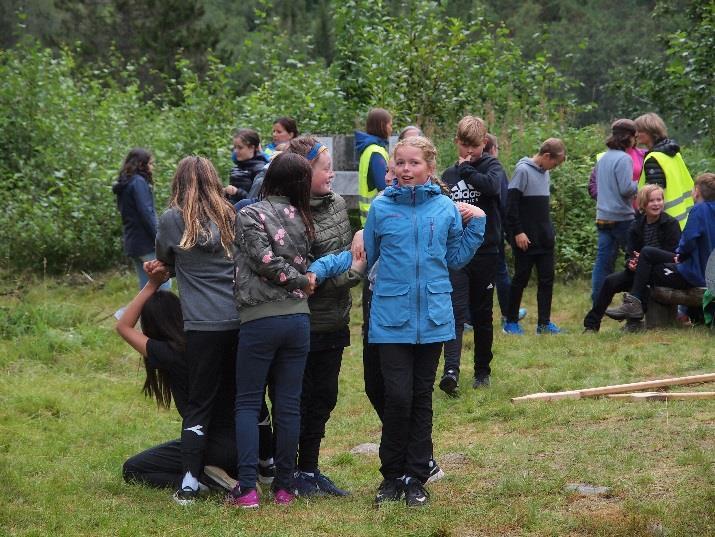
x=417, y=259
x=431, y=231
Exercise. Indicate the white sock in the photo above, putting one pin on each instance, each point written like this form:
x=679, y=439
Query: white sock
x=265, y=462
x=190, y=481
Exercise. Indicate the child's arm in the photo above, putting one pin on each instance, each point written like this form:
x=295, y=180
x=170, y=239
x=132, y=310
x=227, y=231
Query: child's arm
x=624, y=178
x=167, y=235
x=126, y=325
x=330, y=266
x=689, y=239
x=489, y=183
x=253, y=242
x=371, y=243
x=145, y=205
x=462, y=243
x=513, y=218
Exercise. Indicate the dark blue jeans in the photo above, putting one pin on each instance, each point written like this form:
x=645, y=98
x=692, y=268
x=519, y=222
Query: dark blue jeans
x=279, y=345
x=610, y=239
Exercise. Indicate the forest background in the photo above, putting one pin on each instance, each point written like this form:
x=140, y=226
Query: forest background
x=83, y=81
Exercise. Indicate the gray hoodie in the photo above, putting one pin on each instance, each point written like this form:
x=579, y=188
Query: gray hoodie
x=616, y=188
x=204, y=274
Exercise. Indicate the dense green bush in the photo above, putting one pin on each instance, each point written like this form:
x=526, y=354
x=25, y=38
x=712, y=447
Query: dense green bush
x=64, y=131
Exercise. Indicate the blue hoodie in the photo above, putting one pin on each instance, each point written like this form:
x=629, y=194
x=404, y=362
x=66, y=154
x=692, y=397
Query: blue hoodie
x=378, y=167
x=417, y=234
x=697, y=243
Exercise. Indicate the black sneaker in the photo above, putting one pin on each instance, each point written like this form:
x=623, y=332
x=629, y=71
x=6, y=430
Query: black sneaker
x=326, y=485
x=186, y=496
x=450, y=383
x=481, y=381
x=415, y=494
x=435, y=472
x=390, y=490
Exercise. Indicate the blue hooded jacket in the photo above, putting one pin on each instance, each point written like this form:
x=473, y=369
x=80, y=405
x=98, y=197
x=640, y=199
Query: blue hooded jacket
x=697, y=242
x=135, y=202
x=378, y=167
x=417, y=235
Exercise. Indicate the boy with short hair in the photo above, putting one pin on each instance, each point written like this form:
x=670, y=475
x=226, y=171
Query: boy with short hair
x=476, y=179
x=687, y=268
x=528, y=222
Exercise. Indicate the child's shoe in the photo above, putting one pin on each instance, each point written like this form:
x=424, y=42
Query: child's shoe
x=245, y=499
x=415, y=494
x=283, y=497
x=326, y=485
x=522, y=314
x=435, y=472
x=513, y=329
x=186, y=496
x=390, y=490
x=632, y=308
x=481, y=381
x=550, y=328
x=306, y=485
x=449, y=383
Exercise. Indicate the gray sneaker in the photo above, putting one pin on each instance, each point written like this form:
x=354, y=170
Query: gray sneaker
x=630, y=309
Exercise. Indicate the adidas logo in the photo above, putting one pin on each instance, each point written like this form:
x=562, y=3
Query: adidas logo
x=464, y=192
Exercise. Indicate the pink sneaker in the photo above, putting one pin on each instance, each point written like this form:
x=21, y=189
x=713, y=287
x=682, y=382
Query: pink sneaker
x=244, y=500
x=283, y=497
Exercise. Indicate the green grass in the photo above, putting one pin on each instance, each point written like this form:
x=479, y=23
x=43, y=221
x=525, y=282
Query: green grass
x=71, y=412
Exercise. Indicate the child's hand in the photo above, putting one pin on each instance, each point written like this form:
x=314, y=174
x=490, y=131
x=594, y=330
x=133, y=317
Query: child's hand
x=230, y=190
x=309, y=288
x=357, y=248
x=522, y=241
x=359, y=265
x=157, y=271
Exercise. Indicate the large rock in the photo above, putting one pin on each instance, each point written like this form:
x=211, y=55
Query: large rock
x=367, y=448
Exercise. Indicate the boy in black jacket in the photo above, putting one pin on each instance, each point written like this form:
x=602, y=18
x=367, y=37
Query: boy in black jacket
x=528, y=222
x=475, y=179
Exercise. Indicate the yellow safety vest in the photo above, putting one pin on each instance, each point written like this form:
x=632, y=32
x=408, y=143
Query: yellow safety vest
x=365, y=195
x=678, y=194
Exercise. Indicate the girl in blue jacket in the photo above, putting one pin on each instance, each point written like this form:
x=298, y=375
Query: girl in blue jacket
x=417, y=234
x=135, y=201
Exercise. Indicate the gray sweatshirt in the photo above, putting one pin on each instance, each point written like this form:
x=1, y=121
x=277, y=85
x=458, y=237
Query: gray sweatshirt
x=204, y=274
x=616, y=188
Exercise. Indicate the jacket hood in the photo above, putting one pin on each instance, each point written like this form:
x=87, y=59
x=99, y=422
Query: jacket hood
x=363, y=139
x=408, y=194
x=259, y=159
x=122, y=183
x=530, y=162
x=667, y=146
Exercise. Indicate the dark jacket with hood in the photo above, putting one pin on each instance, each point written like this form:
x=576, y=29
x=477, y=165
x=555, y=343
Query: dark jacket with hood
x=654, y=174
x=243, y=173
x=331, y=302
x=135, y=202
x=204, y=274
x=480, y=183
x=378, y=167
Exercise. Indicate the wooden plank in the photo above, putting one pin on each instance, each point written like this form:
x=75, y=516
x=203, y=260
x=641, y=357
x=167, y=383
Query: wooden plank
x=661, y=396
x=616, y=388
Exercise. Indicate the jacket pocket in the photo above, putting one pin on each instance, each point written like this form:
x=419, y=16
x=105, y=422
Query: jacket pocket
x=439, y=302
x=391, y=304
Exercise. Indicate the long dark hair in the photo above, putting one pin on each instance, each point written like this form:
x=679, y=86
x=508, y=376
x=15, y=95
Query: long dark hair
x=290, y=175
x=161, y=319
x=136, y=163
x=249, y=137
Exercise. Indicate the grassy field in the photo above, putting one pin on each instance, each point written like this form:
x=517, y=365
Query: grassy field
x=71, y=412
